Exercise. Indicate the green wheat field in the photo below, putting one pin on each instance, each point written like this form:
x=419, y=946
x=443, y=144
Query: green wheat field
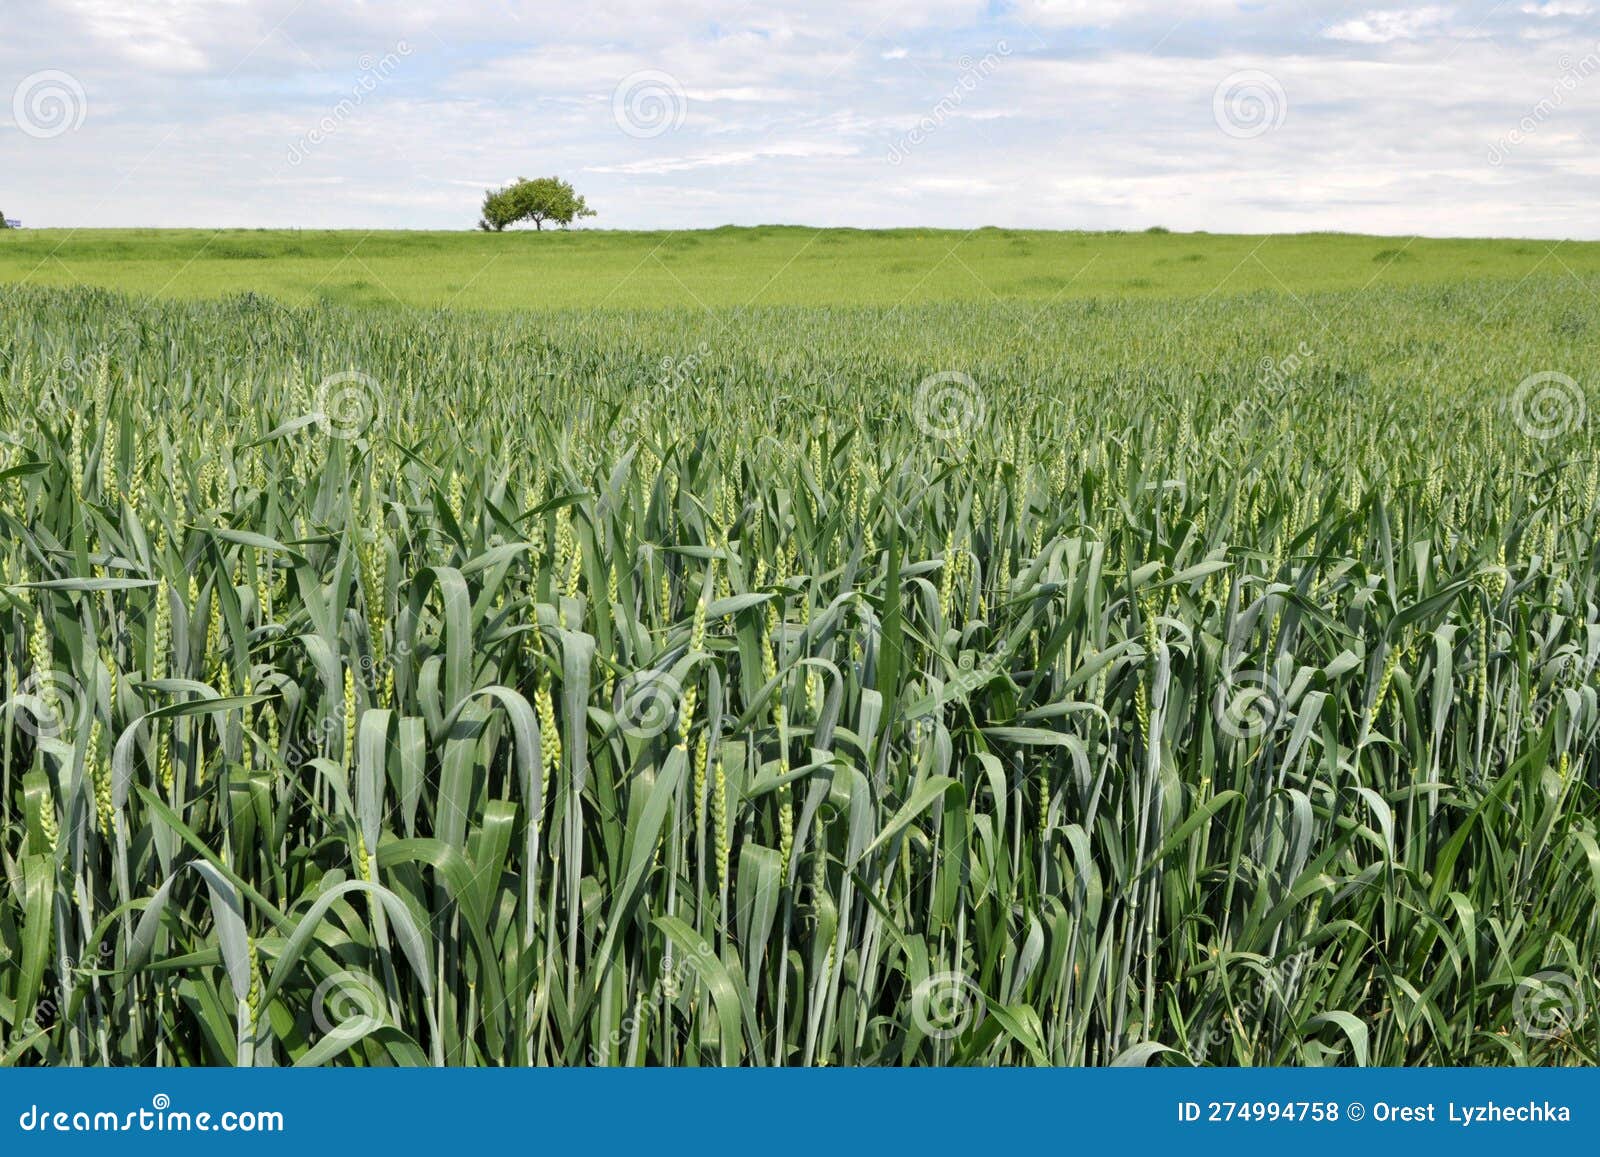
x=795, y=647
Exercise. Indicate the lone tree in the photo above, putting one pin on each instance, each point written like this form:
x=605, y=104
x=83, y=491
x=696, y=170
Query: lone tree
x=541, y=200
x=3, y=223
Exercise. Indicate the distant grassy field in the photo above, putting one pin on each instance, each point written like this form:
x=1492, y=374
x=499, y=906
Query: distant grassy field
x=731, y=267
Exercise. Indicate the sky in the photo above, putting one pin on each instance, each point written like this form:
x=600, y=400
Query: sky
x=1469, y=119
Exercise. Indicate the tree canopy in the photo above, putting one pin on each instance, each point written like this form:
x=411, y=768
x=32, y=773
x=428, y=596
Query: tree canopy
x=540, y=200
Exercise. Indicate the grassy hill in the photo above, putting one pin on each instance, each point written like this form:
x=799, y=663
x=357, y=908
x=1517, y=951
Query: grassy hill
x=770, y=265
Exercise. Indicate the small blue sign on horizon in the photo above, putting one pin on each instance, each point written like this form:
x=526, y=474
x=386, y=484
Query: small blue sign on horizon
x=13, y=223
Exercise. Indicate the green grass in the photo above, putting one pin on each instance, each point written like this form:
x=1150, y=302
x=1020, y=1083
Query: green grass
x=1174, y=680
x=762, y=266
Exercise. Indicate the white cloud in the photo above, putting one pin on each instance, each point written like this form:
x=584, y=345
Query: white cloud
x=749, y=94
x=1383, y=27
x=1551, y=9
x=796, y=150
x=1106, y=13
x=1100, y=116
x=163, y=35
